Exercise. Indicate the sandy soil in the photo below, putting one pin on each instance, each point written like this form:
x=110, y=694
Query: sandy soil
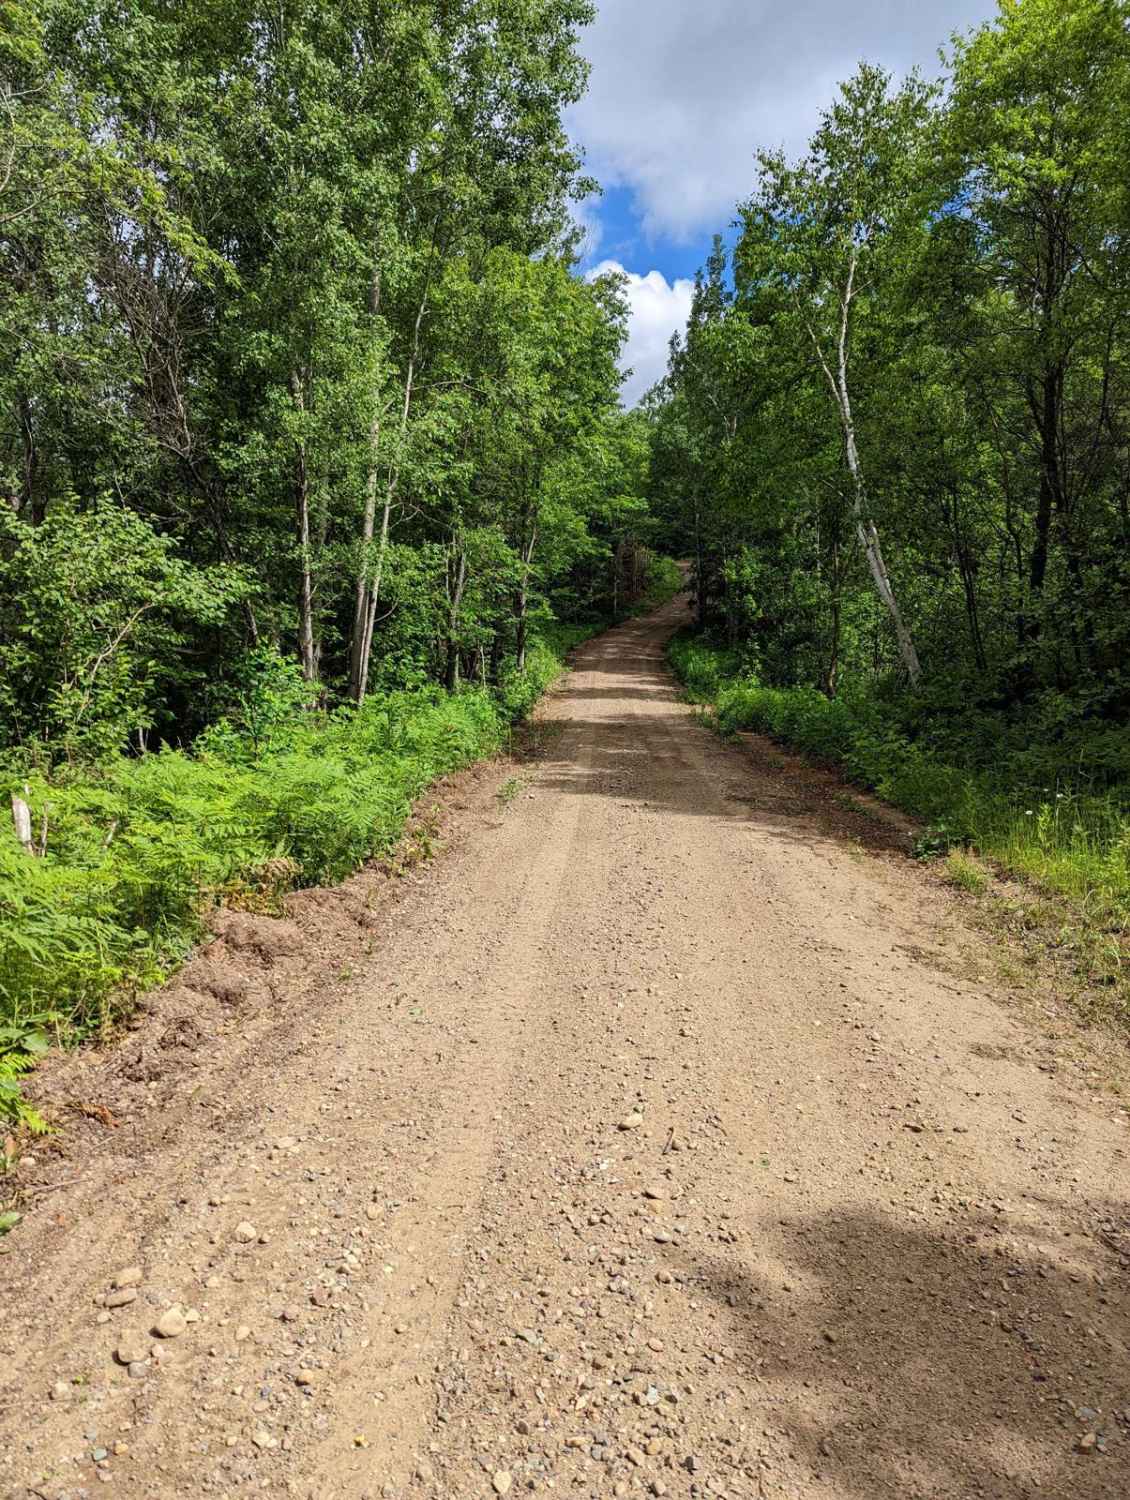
x=658, y=1138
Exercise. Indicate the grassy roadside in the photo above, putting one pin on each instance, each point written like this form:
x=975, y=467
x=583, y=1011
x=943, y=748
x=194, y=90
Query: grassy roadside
x=137, y=851
x=1069, y=847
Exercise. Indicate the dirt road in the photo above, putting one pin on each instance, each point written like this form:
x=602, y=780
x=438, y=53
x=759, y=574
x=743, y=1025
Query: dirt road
x=656, y=1139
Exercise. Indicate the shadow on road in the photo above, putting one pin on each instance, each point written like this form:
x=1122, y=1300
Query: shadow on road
x=860, y=1355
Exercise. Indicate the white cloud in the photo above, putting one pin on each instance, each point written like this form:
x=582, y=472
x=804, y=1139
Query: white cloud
x=683, y=93
x=586, y=216
x=657, y=308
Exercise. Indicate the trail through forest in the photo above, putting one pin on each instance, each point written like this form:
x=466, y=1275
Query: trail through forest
x=670, y=1141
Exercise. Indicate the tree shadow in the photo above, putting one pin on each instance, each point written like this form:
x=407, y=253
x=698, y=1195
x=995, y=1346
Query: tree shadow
x=928, y=1363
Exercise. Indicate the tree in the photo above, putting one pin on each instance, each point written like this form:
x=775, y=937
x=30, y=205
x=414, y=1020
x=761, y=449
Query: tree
x=829, y=231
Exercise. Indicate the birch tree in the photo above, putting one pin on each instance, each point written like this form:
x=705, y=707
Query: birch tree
x=831, y=229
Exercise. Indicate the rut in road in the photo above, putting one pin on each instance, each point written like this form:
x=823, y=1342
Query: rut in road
x=659, y=1147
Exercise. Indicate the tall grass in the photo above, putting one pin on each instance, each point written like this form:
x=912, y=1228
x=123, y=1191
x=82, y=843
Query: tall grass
x=1065, y=839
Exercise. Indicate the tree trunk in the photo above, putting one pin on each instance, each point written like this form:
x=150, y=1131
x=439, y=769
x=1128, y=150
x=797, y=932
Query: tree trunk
x=362, y=635
x=306, y=652
x=522, y=600
x=369, y=593
x=456, y=585
x=864, y=526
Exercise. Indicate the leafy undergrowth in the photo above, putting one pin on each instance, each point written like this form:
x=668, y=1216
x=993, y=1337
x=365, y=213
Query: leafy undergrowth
x=137, y=850
x=1067, y=841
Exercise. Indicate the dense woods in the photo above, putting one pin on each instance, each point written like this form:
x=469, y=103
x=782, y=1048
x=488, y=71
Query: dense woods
x=896, y=440
x=306, y=418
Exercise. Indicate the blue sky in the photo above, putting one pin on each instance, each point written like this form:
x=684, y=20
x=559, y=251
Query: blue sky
x=681, y=95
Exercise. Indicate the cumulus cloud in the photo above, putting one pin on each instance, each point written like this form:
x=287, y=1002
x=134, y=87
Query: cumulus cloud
x=657, y=308
x=682, y=94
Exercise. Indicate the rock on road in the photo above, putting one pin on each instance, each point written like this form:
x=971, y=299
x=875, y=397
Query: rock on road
x=666, y=1142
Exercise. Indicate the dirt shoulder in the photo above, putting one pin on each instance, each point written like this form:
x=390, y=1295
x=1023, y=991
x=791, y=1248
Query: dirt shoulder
x=664, y=1136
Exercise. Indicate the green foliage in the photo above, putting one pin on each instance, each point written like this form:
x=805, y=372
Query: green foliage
x=91, y=606
x=21, y=1047
x=702, y=667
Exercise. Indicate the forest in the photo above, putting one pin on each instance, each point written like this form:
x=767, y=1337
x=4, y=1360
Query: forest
x=895, y=439
x=312, y=460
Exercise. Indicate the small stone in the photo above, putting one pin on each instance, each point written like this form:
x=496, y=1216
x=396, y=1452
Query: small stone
x=1087, y=1443
x=99, y=1454
x=263, y=1439
x=131, y=1276
x=658, y=1487
x=655, y=1345
x=122, y=1298
x=635, y=1456
x=424, y=1472
x=632, y=1121
x=171, y=1324
x=401, y=1328
x=657, y=1194
x=60, y=1391
x=131, y=1351
x=664, y=1276
x=245, y=1232
x=242, y=1333
x=620, y=1488
x=305, y=1377
x=501, y=1482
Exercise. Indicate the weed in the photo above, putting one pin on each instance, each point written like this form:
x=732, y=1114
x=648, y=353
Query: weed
x=509, y=790
x=965, y=873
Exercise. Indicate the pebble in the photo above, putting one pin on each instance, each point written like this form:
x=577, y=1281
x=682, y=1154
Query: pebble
x=1087, y=1443
x=632, y=1121
x=635, y=1456
x=245, y=1232
x=131, y=1276
x=122, y=1298
x=242, y=1332
x=263, y=1439
x=138, y=1369
x=132, y=1351
x=171, y=1324
x=305, y=1377
x=501, y=1482
x=60, y=1391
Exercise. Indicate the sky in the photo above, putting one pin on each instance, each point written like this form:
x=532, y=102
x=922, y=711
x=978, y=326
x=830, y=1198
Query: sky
x=683, y=92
